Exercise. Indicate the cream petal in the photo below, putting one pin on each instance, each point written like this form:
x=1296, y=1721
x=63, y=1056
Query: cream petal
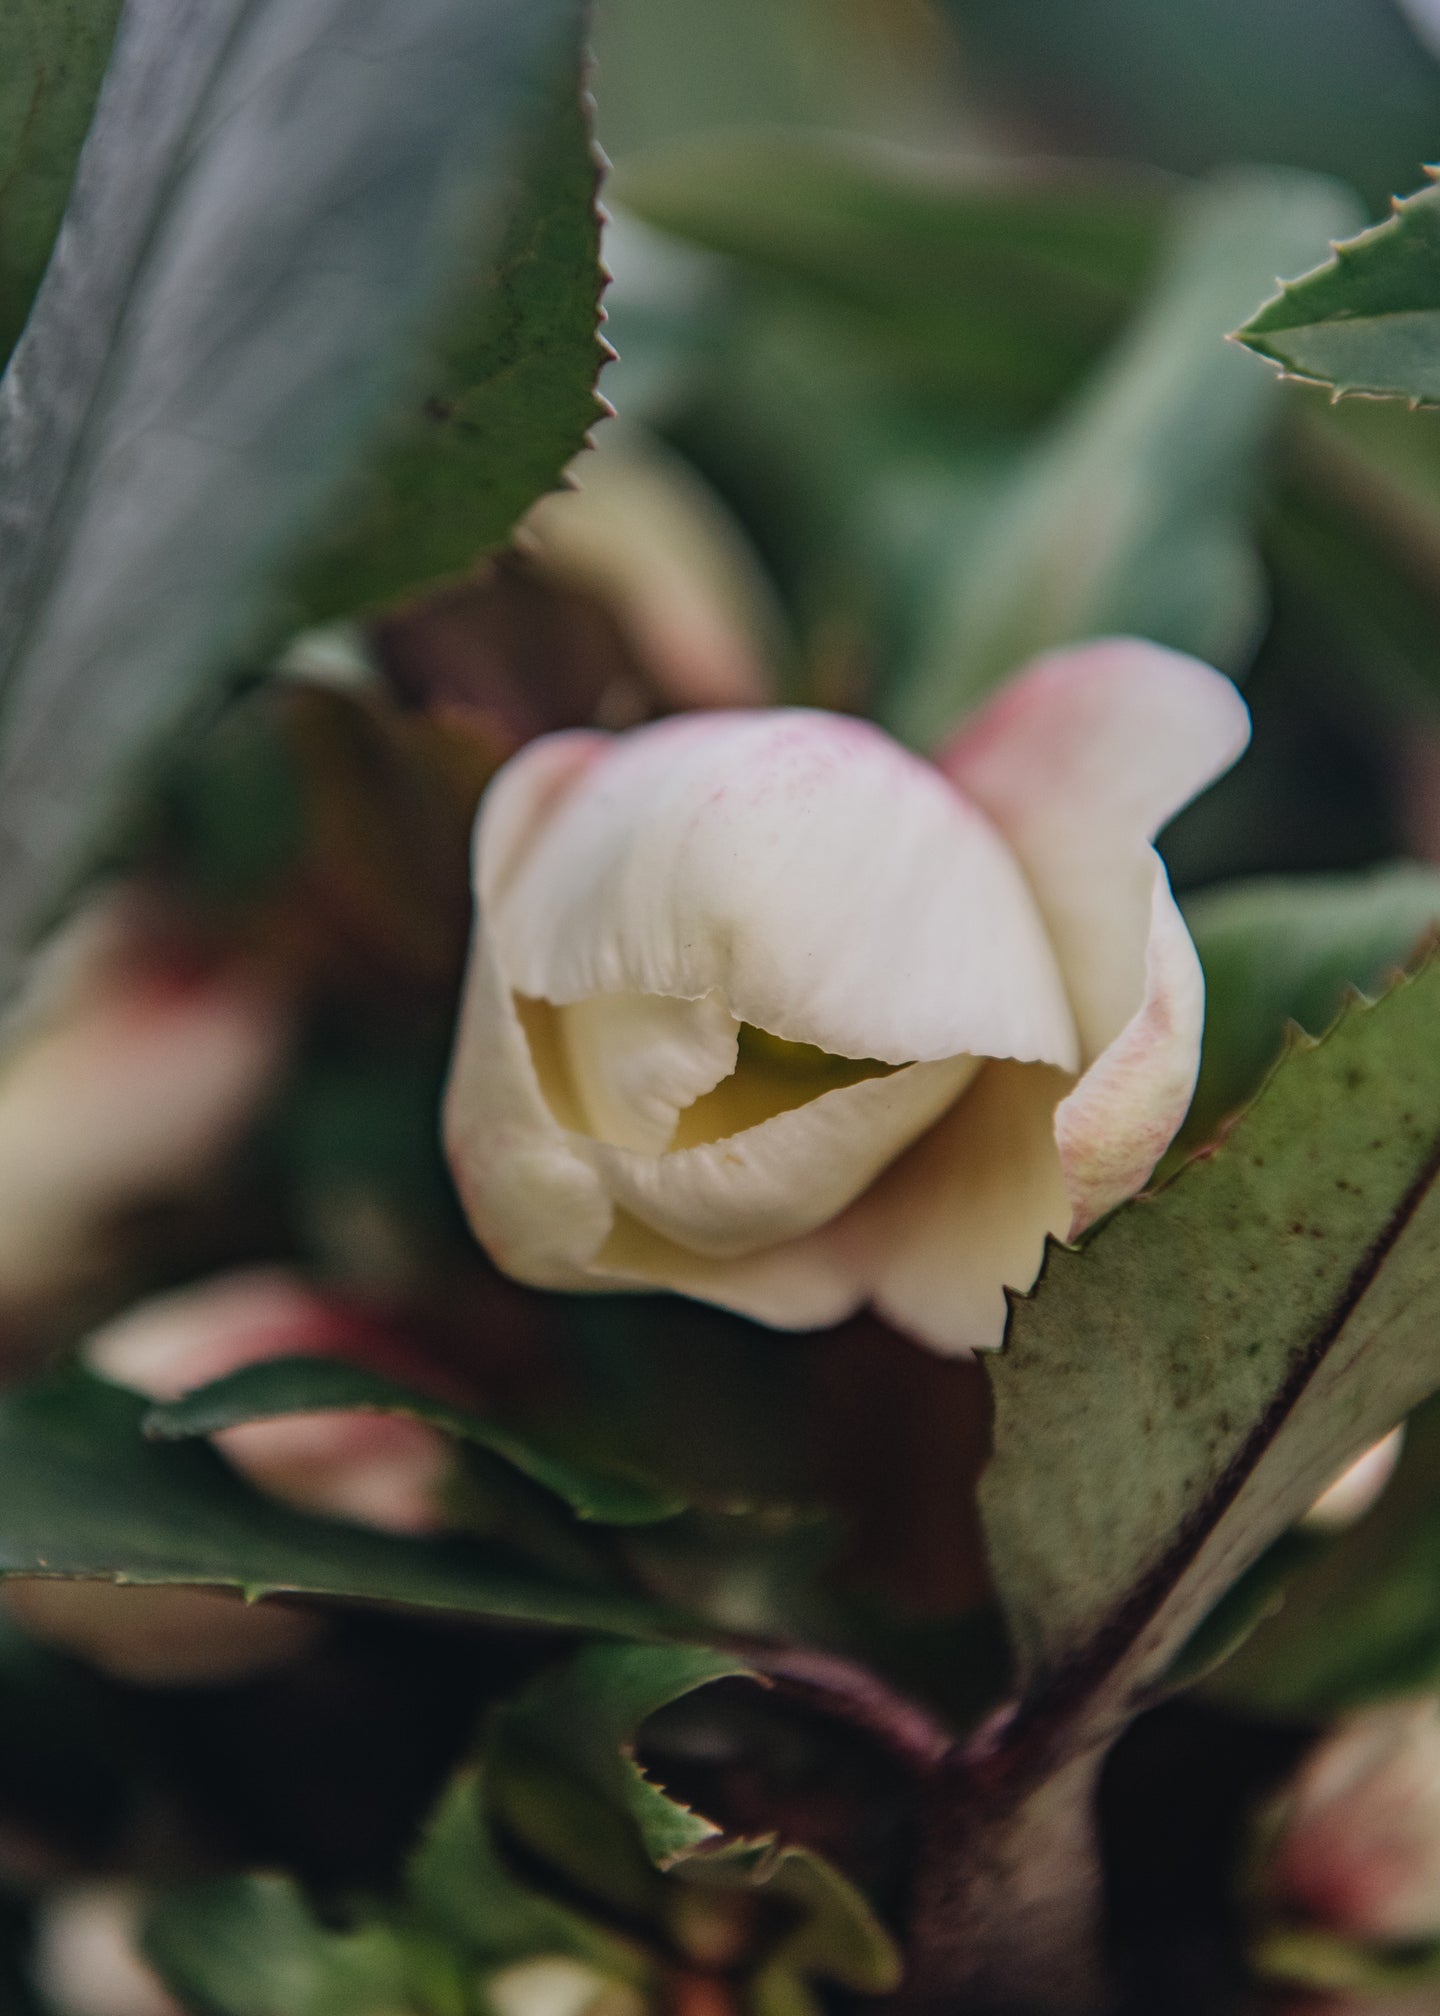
x=830, y=886
x=1079, y=762
x=636, y=1061
x=797, y=1286
x=790, y=1174
x=965, y=1213
x=535, y=1200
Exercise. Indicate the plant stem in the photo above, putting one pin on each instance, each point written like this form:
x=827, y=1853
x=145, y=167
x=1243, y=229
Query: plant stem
x=1009, y=1907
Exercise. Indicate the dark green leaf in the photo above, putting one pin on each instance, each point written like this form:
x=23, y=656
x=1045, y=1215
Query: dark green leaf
x=274, y=198
x=1286, y=950
x=1361, y=1621
x=510, y=397
x=568, y=1782
x=1368, y=320
x=460, y=1883
x=314, y=1385
x=52, y=57
x=1133, y=514
x=83, y=1494
x=1176, y=1393
x=1005, y=282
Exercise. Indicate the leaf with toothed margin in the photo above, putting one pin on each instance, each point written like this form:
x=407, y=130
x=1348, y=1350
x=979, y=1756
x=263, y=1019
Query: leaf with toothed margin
x=508, y=394
x=1176, y=1393
x=268, y=218
x=84, y=1496
x=567, y=1783
x=287, y=1386
x=1368, y=320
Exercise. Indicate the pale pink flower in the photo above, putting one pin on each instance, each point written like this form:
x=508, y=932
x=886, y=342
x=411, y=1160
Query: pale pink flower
x=1355, y=1838
x=129, y=1070
x=765, y=1009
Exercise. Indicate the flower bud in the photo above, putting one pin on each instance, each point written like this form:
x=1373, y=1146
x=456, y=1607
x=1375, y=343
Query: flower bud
x=765, y=1009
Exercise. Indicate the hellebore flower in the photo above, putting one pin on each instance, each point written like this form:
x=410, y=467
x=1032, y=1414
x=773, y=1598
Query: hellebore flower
x=764, y=1009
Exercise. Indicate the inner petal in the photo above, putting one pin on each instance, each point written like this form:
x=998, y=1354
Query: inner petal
x=771, y=1076
x=637, y=1061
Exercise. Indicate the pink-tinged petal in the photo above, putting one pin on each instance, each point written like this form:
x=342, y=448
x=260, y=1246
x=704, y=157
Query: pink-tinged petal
x=1125, y=1111
x=828, y=885
x=382, y=1470
x=1080, y=761
x=965, y=1213
x=131, y=1069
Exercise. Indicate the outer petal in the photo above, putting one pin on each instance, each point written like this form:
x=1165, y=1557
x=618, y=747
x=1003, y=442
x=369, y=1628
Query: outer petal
x=830, y=886
x=964, y=1215
x=1079, y=762
x=536, y=1202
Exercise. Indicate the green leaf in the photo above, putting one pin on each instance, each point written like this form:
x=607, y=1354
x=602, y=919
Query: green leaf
x=1002, y=281
x=1368, y=320
x=1285, y=950
x=273, y=202
x=1360, y=1620
x=1133, y=514
x=52, y=57
x=284, y=1386
x=460, y=1883
x=251, y=1946
x=509, y=397
x=1329, y=1965
x=575, y=1731
x=83, y=1494
x=1171, y=1398
x=1177, y=1392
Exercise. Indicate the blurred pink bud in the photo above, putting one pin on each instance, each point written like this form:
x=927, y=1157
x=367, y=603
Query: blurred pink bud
x=130, y=1068
x=646, y=535
x=160, y=1637
x=1356, y=1836
x=87, y=1961
x=1356, y=1489
x=379, y=1469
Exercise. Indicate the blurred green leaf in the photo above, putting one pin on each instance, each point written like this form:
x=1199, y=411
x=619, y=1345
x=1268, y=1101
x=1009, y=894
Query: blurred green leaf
x=1368, y=319
x=252, y=1946
x=568, y=1784
x=1329, y=1965
x=509, y=397
x=1360, y=1621
x=1344, y=87
x=274, y=200
x=1354, y=536
x=460, y=1883
x=323, y=1385
x=1134, y=513
x=83, y=1494
x=1002, y=281
x=52, y=57
x=1287, y=950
